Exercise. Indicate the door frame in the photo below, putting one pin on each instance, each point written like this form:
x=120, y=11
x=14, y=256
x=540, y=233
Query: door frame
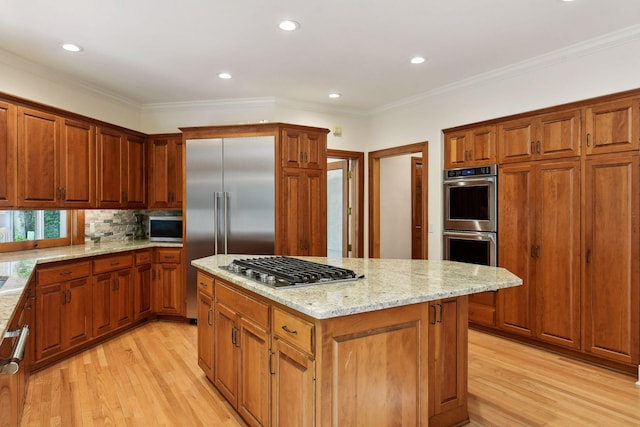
x=357, y=213
x=374, y=193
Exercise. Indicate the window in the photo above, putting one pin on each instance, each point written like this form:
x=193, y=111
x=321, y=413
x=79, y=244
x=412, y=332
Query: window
x=33, y=229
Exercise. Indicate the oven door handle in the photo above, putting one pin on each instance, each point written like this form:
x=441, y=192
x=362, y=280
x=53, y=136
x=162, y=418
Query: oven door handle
x=473, y=235
x=467, y=181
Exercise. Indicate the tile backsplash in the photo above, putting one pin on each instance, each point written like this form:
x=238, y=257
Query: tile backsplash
x=111, y=224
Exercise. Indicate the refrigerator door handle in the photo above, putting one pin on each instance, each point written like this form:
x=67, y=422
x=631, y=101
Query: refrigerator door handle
x=215, y=222
x=226, y=222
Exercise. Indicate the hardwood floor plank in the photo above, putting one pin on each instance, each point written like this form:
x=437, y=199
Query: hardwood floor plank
x=150, y=376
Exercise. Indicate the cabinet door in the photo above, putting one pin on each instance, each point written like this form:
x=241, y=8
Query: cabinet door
x=142, y=293
x=313, y=221
x=558, y=135
x=515, y=243
x=610, y=323
x=482, y=145
x=293, y=387
x=557, y=259
x=8, y=153
x=448, y=362
x=122, y=302
x=110, y=169
x=77, y=164
x=455, y=149
x=225, y=342
x=612, y=127
x=49, y=312
x=103, y=288
x=167, y=291
x=38, y=135
x=78, y=312
x=302, y=149
x=292, y=206
x=516, y=140
x=177, y=175
x=254, y=375
x=205, y=333
x=135, y=161
x=314, y=151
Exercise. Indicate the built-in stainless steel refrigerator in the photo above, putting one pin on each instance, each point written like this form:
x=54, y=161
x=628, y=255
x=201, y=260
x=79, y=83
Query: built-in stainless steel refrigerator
x=230, y=201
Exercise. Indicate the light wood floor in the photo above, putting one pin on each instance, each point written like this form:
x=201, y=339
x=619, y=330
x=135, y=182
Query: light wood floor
x=150, y=377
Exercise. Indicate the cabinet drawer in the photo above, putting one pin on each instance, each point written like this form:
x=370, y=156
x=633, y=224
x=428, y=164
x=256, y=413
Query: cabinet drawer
x=482, y=314
x=169, y=255
x=112, y=263
x=244, y=305
x=143, y=257
x=293, y=330
x=63, y=273
x=205, y=283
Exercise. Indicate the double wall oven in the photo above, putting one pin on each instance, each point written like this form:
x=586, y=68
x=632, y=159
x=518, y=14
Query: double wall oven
x=470, y=215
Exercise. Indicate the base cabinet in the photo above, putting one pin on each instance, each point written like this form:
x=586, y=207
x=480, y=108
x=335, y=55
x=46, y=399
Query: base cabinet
x=205, y=323
x=167, y=280
x=142, y=285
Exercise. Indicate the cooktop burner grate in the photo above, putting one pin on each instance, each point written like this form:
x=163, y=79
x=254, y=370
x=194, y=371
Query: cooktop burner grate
x=288, y=272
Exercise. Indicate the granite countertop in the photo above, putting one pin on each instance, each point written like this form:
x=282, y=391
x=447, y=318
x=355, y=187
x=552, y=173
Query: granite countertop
x=19, y=266
x=387, y=283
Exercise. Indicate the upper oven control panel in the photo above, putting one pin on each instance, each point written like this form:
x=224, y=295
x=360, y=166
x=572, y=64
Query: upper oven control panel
x=479, y=171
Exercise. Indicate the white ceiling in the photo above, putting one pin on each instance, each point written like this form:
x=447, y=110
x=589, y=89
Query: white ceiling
x=165, y=51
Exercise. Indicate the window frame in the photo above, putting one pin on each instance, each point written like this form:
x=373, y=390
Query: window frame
x=44, y=243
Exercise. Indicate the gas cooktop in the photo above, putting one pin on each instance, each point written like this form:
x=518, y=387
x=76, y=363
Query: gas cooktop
x=286, y=272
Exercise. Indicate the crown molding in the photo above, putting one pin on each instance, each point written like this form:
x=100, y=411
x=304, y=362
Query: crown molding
x=610, y=40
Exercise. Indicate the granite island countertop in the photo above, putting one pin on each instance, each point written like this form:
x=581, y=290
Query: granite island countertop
x=387, y=283
x=19, y=267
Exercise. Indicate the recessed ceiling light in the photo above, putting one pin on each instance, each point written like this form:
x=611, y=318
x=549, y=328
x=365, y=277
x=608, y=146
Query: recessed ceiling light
x=418, y=60
x=335, y=95
x=71, y=47
x=225, y=76
x=288, y=25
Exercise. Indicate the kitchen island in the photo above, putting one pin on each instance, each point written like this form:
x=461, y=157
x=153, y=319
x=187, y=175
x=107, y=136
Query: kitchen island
x=386, y=349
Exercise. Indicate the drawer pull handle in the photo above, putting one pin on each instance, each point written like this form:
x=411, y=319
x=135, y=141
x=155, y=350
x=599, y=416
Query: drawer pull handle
x=114, y=263
x=66, y=273
x=286, y=329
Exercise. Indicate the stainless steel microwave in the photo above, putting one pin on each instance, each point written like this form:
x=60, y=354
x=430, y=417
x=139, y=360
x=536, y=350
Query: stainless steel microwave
x=164, y=228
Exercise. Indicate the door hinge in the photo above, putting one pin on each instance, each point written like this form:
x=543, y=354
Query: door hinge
x=349, y=247
x=350, y=174
x=349, y=211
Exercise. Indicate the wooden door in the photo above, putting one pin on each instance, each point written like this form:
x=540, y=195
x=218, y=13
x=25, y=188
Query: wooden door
x=482, y=146
x=8, y=154
x=611, y=289
x=558, y=135
x=111, y=171
x=292, y=148
x=456, y=152
x=103, y=289
x=49, y=312
x=142, y=293
x=293, y=387
x=135, y=190
x=122, y=303
x=314, y=213
x=557, y=253
x=416, y=208
x=78, y=312
x=612, y=127
x=292, y=209
x=226, y=357
x=77, y=164
x=38, y=135
x=314, y=150
x=159, y=171
x=205, y=333
x=516, y=140
x=515, y=246
x=167, y=292
x=177, y=174
x=254, y=376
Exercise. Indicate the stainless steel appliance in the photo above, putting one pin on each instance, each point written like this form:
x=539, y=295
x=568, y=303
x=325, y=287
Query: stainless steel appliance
x=470, y=198
x=470, y=215
x=230, y=201
x=286, y=272
x=165, y=228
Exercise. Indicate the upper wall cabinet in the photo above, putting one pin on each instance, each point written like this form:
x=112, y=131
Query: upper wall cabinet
x=77, y=177
x=121, y=170
x=8, y=149
x=166, y=174
x=472, y=147
x=547, y=136
x=612, y=127
x=302, y=149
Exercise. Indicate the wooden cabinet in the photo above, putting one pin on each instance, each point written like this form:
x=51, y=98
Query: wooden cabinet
x=612, y=126
x=121, y=170
x=166, y=175
x=205, y=323
x=168, y=292
x=611, y=286
x=448, y=362
x=472, y=147
x=8, y=154
x=304, y=149
x=541, y=201
x=142, y=285
x=77, y=165
x=547, y=136
x=304, y=207
x=113, y=293
x=63, y=308
x=241, y=340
